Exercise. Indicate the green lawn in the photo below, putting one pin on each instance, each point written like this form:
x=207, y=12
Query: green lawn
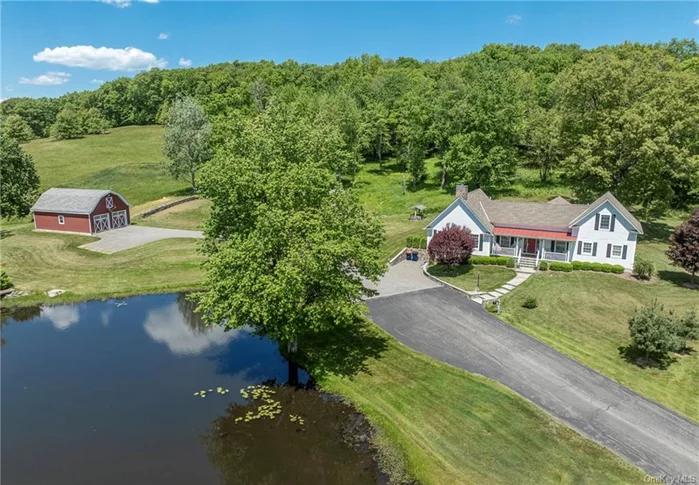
x=585, y=315
x=42, y=261
x=381, y=190
x=128, y=160
x=459, y=428
x=190, y=215
x=468, y=276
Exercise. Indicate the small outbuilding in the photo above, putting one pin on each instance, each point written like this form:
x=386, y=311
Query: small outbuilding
x=83, y=211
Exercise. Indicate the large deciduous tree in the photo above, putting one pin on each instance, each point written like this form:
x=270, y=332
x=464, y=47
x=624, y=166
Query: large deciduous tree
x=14, y=126
x=451, y=246
x=19, y=182
x=413, y=133
x=543, y=140
x=471, y=160
x=94, y=123
x=187, y=139
x=67, y=125
x=288, y=248
x=684, y=245
x=631, y=125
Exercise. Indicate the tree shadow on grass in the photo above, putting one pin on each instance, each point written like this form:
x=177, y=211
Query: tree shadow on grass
x=637, y=357
x=343, y=351
x=678, y=278
x=387, y=167
x=655, y=231
x=182, y=192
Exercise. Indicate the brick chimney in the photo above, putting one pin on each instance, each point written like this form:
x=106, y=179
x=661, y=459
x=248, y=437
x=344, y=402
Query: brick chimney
x=462, y=191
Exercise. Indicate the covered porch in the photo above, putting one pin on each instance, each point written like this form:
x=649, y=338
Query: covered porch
x=533, y=245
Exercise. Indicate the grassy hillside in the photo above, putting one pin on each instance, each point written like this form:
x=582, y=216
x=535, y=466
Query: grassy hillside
x=127, y=160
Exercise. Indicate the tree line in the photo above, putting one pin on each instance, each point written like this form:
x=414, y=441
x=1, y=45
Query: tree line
x=623, y=118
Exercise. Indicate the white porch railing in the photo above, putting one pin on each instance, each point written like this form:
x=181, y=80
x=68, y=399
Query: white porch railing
x=506, y=252
x=549, y=256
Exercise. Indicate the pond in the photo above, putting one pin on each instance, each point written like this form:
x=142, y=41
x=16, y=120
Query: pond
x=104, y=393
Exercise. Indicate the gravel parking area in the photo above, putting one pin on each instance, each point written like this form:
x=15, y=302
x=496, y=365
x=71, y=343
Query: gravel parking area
x=129, y=237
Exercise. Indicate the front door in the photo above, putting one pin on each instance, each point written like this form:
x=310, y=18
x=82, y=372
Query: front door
x=530, y=246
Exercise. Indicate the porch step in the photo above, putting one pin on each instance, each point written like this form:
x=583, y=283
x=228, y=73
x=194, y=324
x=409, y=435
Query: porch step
x=527, y=262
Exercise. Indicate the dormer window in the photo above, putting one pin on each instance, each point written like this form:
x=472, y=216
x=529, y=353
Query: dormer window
x=110, y=202
x=605, y=222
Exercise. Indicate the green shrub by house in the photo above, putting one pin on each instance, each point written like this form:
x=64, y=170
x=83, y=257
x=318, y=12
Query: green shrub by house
x=543, y=265
x=643, y=268
x=416, y=242
x=585, y=266
x=491, y=260
x=510, y=263
x=565, y=267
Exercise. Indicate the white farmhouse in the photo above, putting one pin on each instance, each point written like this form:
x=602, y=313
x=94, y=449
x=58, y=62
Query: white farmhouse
x=602, y=232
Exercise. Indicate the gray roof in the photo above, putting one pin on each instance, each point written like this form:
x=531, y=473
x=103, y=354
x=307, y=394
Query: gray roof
x=557, y=214
x=71, y=201
x=539, y=214
x=475, y=200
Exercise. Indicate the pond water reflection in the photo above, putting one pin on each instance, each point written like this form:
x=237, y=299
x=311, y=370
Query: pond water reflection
x=103, y=393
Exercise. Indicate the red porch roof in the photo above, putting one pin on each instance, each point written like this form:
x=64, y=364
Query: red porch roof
x=533, y=233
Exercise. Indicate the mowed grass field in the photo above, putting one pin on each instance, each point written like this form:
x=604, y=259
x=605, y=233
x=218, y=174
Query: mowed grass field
x=128, y=160
x=38, y=261
x=461, y=428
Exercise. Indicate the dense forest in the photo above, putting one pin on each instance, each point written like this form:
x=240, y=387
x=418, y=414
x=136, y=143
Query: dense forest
x=623, y=118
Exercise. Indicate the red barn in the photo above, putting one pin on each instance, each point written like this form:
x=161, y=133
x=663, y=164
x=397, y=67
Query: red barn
x=83, y=211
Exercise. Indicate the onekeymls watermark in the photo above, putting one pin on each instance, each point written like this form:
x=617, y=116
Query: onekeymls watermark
x=671, y=480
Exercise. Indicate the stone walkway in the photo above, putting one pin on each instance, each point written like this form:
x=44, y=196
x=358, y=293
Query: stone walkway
x=482, y=298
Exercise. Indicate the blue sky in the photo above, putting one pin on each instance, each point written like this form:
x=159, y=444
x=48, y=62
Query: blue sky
x=50, y=48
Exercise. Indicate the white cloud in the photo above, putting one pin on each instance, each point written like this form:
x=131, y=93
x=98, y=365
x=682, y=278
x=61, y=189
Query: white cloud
x=513, y=19
x=167, y=325
x=97, y=81
x=46, y=79
x=127, y=59
x=696, y=21
x=124, y=3
x=185, y=62
x=61, y=317
x=163, y=36
x=3, y=100
x=117, y=3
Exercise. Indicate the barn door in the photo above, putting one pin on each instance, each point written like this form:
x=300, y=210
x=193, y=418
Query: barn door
x=118, y=219
x=101, y=222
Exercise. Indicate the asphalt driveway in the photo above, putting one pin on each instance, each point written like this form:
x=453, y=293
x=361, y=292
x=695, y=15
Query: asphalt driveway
x=129, y=237
x=441, y=323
